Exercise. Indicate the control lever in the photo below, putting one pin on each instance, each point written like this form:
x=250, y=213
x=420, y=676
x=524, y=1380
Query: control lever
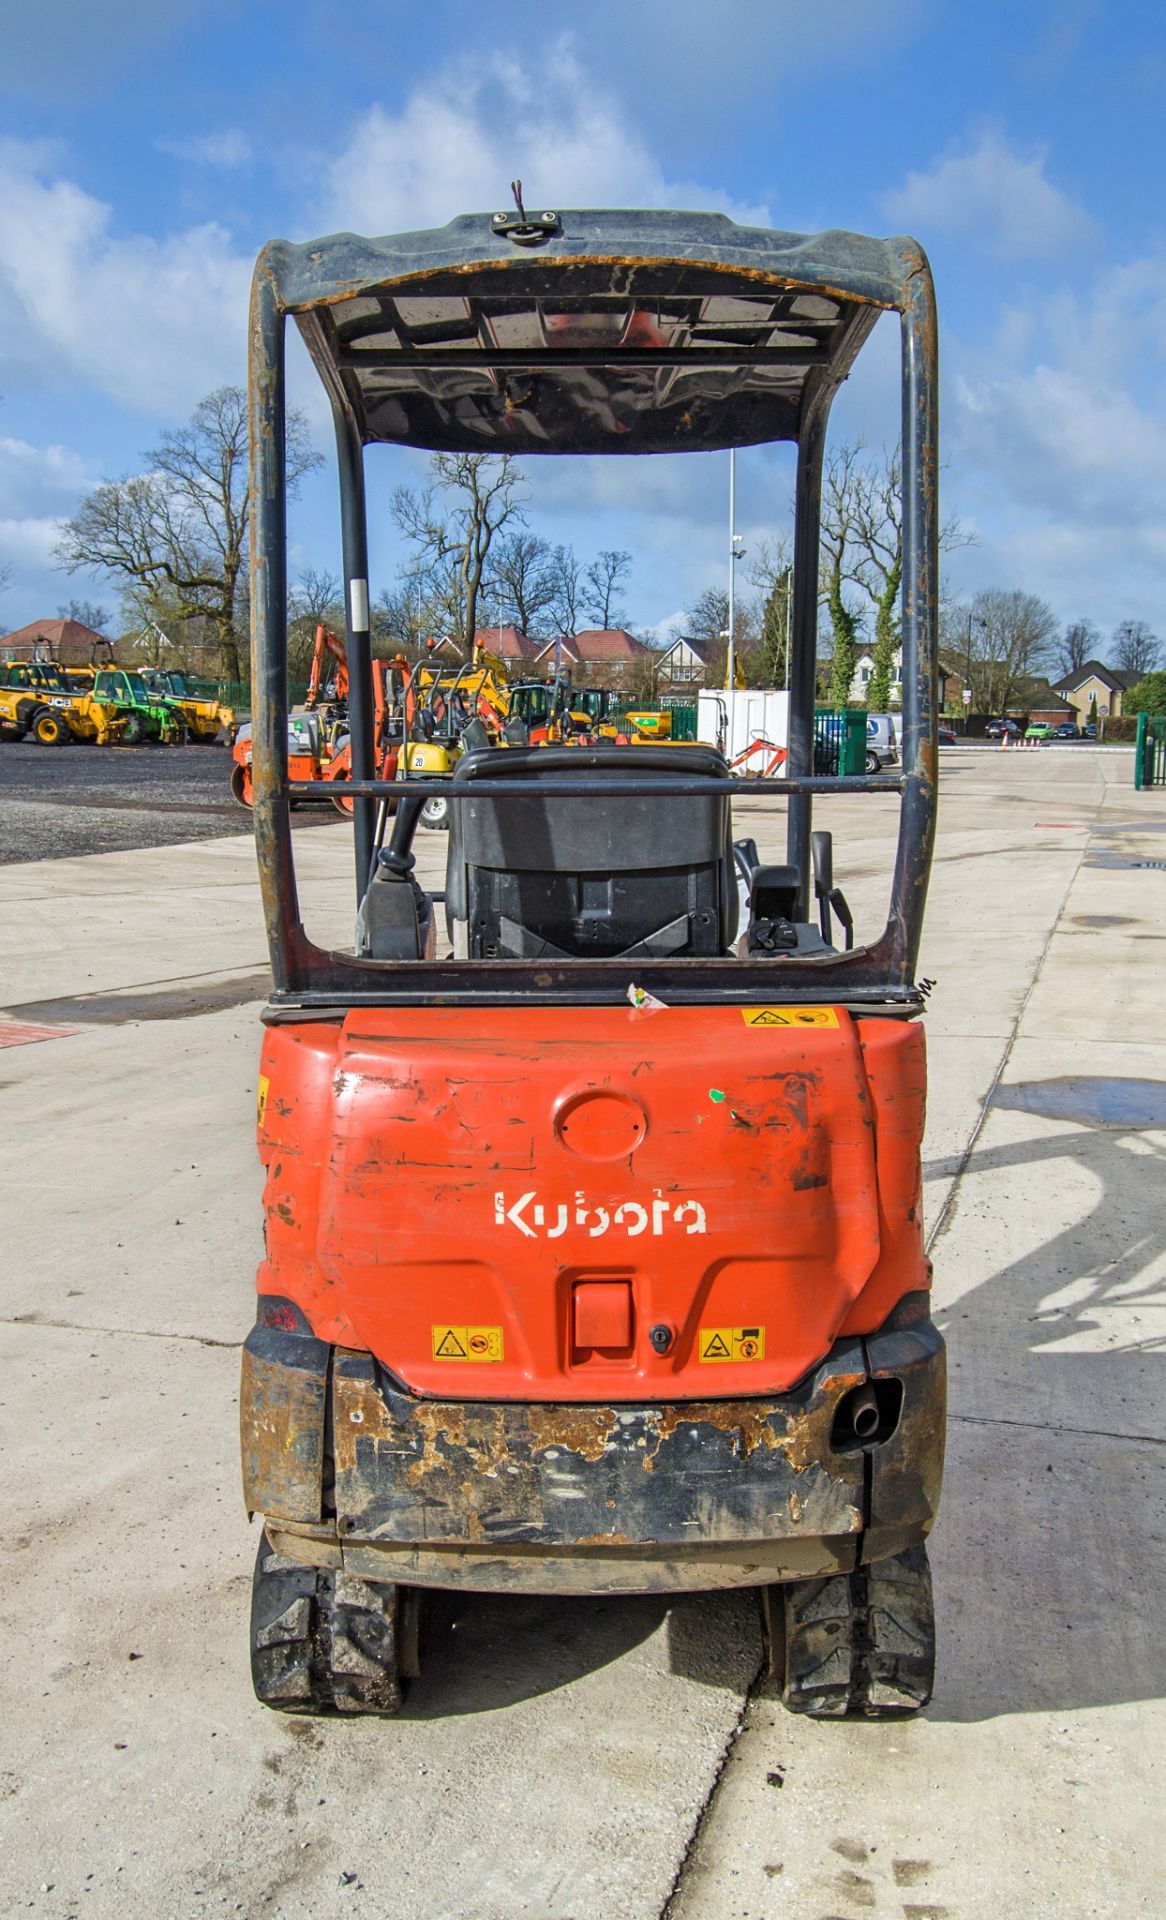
x=827, y=894
x=822, y=855
x=398, y=858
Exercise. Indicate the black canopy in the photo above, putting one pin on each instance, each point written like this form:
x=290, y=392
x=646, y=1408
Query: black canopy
x=612, y=332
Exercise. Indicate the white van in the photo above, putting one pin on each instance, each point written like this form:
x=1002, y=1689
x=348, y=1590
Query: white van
x=882, y=742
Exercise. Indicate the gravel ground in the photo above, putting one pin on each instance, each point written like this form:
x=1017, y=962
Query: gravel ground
x=56, y=802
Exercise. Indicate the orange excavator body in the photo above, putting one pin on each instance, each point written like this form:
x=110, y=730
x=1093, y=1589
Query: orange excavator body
x=327, y=648
x=556, y=1189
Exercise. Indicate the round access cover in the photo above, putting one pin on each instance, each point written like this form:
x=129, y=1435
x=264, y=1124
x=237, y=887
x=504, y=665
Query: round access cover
x=601, y=1126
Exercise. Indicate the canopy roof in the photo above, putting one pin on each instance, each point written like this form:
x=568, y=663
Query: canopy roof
x=693, y=332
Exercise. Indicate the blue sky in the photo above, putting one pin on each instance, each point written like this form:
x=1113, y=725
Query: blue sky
x=146, y=156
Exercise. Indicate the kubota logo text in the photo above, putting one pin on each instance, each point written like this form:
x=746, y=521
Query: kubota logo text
x=534, y=1218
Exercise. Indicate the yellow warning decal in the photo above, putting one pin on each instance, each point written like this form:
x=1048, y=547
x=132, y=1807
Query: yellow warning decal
x=731, y=1343
x=789, y=1016
x=467, y=1343
x=261, y=1098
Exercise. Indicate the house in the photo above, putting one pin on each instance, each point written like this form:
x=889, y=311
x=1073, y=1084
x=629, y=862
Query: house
x=1042, y=702
x=952, y=681
x=444, y=648
x=949, y=692
x=600, y=654
x=1107, y=685
x=65, y=641
x=688, y=662
x=509, y=643
x=863, y=669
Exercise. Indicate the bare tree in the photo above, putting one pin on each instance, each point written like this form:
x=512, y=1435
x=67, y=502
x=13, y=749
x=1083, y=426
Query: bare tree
x=86, y=613
x=772, y=574
x=1135, y=646
x=1010, y=638
x=775, y=632
x=708, y=616
x=317, y=596
x=178, y=532
x=602, y=584
x=1077, y=644
x=564, y=605
x=452, y=524
x=316, y=599
x=863, y=511
x=708, y=620
x=522, y=583
x=839, y=533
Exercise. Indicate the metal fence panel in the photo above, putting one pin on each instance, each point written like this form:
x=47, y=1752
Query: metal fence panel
x=840, y=741
x=1150, y=751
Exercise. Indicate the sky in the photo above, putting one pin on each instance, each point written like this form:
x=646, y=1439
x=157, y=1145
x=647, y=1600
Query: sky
x=147, y=155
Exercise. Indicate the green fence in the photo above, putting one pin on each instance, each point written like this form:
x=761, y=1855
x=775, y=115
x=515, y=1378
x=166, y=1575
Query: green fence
x=237, y=693
x=1150, y=751
x=840, y=740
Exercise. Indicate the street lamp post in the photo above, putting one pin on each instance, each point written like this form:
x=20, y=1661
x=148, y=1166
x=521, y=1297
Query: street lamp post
x=974, y=620
x=736, y=552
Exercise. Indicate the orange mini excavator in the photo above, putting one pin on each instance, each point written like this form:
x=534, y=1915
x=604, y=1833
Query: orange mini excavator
x=594, y=1260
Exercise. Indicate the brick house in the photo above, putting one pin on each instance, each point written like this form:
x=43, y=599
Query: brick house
x=1107, y=685
x=600, y=656
x=65, y=641
x=510, y=644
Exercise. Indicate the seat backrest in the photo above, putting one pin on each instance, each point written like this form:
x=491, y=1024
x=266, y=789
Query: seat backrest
x=593, y=876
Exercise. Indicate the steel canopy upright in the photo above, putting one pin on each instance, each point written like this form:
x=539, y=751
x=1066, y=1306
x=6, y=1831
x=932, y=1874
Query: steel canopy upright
x=586, y=333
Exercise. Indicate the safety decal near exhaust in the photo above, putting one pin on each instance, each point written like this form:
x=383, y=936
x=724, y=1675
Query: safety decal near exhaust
x=731, y=1343
x=789, y=1016
x=539, y=1219
x=467, y=1343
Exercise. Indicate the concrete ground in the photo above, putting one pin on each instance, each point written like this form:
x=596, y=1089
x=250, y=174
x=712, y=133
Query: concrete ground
x=617, y=1759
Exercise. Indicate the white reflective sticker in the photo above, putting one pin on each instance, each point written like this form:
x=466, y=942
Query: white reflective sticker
x=358, y=605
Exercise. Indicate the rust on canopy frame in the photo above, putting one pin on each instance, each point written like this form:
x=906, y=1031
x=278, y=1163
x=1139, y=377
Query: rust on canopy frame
x=617, y=332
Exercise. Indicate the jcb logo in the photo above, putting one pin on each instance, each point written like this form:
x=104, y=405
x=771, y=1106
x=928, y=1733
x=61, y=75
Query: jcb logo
x=538, y=1220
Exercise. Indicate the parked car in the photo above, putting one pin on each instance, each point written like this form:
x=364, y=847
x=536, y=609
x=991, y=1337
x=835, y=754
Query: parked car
x=1089, y=730
x=1067, y=731
x=946, y=737
x=1039, y=730
x=996, y=729
x=882, y=745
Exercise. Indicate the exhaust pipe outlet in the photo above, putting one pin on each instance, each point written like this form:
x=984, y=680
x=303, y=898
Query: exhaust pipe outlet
x=868, y=1414
x=864, y=1414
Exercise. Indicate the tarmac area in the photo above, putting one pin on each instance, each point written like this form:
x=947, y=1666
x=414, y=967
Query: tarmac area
x=79, y=799
x=617, y=1759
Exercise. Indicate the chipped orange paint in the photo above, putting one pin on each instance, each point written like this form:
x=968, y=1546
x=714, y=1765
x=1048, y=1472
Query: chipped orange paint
x=417, y=1172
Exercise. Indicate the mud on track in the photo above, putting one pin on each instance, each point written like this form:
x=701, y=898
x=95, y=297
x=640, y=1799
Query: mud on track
x=57, y=802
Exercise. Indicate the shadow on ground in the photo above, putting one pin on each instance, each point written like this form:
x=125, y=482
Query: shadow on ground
x=481, y=1652
x=1049, y=1544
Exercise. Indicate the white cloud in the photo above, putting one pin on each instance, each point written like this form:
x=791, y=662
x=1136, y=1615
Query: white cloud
x=1056, y=439
x=994, y=194
x=461, y=137
x=229, y=148
x=32, y=477
x=154, y=323
x=28, y=545
x=671, y=627
x=39, y=487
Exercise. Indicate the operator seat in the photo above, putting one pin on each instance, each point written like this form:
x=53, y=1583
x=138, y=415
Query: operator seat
x=598, y=876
